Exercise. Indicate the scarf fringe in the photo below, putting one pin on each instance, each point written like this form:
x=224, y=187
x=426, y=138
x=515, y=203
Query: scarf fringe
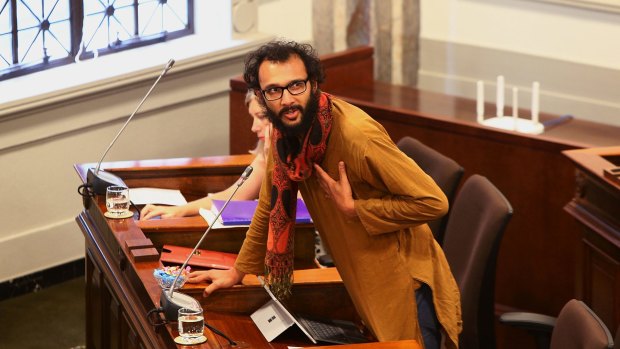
x=279, y=280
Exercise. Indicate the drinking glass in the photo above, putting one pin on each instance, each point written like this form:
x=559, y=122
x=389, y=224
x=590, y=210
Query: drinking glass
x=191, y=323
x=117, y=200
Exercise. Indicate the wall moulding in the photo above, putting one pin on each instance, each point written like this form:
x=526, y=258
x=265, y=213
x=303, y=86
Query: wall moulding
x=599, y=5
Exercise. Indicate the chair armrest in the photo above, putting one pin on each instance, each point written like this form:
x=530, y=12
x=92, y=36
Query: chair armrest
x=540, y=326
x=528, y=321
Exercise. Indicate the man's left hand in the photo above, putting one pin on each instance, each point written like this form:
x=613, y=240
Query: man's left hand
x=339, y=191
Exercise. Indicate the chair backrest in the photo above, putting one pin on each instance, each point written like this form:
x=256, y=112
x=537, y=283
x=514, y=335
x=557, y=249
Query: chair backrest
x=578, y=327
x=444, y=171
x=475, y=227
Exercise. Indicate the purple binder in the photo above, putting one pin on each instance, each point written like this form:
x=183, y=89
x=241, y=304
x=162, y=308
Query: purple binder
x=241, y=212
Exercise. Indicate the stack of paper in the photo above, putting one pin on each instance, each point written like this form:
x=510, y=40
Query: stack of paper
x=143, y=196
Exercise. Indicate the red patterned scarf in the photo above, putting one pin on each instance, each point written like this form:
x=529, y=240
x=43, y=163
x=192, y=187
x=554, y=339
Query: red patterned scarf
x=286, y=174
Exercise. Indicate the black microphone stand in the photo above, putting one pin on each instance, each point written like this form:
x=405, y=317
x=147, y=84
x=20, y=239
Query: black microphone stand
x=171, y=302
x=98, y=179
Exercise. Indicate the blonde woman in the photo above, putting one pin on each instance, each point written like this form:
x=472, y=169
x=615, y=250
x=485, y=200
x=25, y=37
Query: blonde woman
x=249, y=191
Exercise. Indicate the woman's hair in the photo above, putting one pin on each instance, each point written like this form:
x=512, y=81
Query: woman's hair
x=281, y=51
x=261, y=144
x=248, y=97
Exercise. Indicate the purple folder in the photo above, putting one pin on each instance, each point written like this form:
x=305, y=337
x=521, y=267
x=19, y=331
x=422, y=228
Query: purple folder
x=241, y=212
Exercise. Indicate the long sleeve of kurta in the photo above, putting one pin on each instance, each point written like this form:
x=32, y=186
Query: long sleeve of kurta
x=251, y=258
x=412, y=196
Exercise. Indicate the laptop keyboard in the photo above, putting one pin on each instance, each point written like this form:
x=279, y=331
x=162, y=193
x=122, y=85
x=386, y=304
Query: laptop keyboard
x=321, y=330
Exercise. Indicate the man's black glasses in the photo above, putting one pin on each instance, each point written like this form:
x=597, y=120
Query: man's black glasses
x=296, y=87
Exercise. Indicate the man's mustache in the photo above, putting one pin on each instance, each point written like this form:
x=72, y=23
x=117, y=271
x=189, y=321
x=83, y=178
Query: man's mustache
x=289, y=109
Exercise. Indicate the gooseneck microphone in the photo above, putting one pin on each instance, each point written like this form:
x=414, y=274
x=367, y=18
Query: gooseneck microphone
x=98, y=179
x=171, y=302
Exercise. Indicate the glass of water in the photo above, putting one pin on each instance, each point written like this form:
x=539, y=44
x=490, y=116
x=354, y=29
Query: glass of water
x=191, y=323
x=117, y=200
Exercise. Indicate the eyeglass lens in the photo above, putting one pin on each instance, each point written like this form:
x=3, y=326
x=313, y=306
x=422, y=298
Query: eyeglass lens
x=294, y=88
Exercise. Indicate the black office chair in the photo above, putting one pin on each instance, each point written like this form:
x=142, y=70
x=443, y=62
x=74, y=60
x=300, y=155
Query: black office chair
x=473, y=234
x=577, y=327
x=446, y=172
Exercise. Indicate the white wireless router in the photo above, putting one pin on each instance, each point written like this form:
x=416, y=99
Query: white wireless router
x=510, y=123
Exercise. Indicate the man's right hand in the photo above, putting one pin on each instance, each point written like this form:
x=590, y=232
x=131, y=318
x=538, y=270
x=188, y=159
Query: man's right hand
x=218, y=278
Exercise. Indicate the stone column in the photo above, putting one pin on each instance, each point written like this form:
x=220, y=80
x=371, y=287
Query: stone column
x=392, y=27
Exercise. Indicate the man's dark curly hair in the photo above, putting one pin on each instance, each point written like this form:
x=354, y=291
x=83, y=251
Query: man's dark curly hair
x=281, y=51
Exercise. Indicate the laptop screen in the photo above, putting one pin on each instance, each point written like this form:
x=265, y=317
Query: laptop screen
x=324, y=330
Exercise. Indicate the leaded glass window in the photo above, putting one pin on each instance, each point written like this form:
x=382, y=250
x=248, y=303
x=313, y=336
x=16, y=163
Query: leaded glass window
x=40, y=34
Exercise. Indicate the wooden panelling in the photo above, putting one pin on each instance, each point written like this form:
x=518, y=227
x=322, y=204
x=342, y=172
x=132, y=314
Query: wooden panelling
x=596, y=207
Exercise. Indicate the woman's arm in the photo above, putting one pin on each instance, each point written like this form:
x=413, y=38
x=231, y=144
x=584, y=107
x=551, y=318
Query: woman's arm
x=248, y=191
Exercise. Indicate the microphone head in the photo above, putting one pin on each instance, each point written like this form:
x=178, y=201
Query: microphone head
x=247, y=172
x=169, y=64
x=245, y=175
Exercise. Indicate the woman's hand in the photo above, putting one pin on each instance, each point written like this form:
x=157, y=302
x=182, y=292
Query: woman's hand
x=150, y=211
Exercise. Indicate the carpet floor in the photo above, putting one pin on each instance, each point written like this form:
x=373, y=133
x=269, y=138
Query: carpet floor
x=53, y=317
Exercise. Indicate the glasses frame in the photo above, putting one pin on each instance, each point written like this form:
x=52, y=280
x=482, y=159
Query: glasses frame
x=287, y=87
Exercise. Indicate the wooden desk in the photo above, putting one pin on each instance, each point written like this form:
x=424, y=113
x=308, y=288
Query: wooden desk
x=596, y=206
x=121, y=289
x=196, y=177
x=409, y=344
x=538, y=256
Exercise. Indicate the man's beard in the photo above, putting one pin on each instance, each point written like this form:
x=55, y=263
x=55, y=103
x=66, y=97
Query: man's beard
x=293, y=135
x=308, y=113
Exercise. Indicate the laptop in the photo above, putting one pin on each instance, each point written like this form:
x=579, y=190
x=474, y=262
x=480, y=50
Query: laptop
x=273, y=318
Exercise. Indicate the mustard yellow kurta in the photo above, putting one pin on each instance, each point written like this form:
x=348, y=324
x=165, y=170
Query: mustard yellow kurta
x=383, y=255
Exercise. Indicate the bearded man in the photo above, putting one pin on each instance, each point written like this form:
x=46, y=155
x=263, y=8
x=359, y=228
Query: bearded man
x=369, y=201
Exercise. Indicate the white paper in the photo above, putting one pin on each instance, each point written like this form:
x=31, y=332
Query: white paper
x=143, y=196
x=209, y=216
x=271, y=320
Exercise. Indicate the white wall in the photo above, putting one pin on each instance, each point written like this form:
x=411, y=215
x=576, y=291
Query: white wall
x=291, y=19
x=186, y=116
x=527, y=27
x=574, y=53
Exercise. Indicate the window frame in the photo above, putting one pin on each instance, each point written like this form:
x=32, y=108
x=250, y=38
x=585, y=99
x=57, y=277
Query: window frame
x=76, y=16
